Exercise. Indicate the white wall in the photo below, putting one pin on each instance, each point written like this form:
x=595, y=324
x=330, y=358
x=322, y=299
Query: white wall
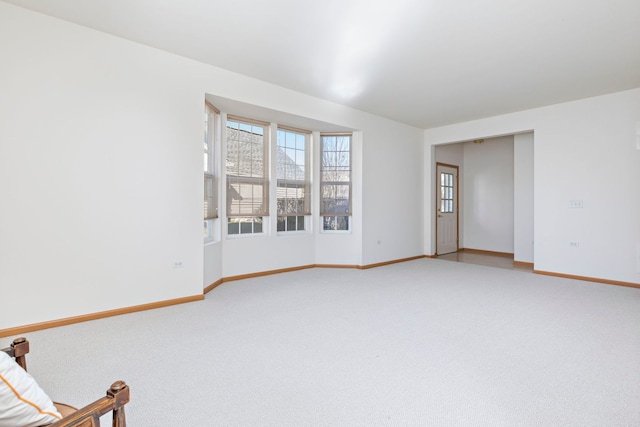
x=99, y=193
x=212, y=259
x=584, y=150
x=100, y=172
x=392, y=194
x=451, y=154
x=488, y=195
x=523, y=197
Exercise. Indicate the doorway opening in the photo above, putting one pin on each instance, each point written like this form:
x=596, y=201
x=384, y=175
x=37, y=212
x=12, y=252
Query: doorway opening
x=488, y=205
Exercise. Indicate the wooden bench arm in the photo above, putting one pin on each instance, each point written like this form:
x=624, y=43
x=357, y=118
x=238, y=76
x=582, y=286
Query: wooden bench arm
x=18, y=349
x=117, y=396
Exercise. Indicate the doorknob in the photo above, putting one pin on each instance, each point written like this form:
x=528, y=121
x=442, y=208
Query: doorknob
x=439, y=216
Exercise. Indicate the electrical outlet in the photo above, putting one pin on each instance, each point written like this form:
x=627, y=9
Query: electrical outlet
x=178, y=264
x=574, y=244
x=575, y=204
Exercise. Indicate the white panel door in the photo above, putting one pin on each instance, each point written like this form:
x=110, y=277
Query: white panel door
x=446, y=209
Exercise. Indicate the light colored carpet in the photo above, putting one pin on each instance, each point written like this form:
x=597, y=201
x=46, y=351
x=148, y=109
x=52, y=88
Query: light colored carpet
x=421, y=343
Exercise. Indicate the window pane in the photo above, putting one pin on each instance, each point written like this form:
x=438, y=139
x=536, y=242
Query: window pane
x=246, y=227
x=330, y=160
x=246, y=158
x=343, y=223
x=246, y=197
x=257, y=225
x=446, y=192
x=293, y=181
x=329, y=223
x=342, y=160
x=335, y=199
x=291, y=223
x=246, y=165
x=329, y=143
x=335, y=223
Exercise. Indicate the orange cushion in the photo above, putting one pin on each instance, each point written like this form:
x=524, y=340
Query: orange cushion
x=64, y=410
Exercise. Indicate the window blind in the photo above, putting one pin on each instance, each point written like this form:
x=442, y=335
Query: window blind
x=247, y=168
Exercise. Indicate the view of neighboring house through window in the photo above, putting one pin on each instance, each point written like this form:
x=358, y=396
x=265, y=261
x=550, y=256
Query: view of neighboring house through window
x=292, y=179
x=210, y=181
x=247, y=179
x=335, y=181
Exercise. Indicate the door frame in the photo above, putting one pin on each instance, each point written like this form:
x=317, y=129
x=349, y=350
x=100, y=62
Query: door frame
x=457, y=201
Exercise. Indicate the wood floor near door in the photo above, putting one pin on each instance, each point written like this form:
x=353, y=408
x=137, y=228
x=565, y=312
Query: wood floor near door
x=489, y=260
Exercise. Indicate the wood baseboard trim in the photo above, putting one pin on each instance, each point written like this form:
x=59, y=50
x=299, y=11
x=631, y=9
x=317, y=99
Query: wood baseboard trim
x=523, y=264
x=212, y=286
x=434, y=256
x=396, y=261
x=336, y=266
x=19, y=330
x=304, y=267
x=482, y=252
x=589, y=279
x=265, y=273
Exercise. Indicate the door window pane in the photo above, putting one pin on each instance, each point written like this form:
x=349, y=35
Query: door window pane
x=446, y=192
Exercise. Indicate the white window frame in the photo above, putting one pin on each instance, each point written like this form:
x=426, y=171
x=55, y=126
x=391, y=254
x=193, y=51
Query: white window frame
x=336, y=181
x=237, y=178
x=304, y=183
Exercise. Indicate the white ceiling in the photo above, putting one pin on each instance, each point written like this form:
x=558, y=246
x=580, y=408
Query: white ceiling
x=423, y=62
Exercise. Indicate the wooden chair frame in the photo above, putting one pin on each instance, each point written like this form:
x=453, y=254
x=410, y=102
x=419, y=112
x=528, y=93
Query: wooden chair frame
x=116, y=397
